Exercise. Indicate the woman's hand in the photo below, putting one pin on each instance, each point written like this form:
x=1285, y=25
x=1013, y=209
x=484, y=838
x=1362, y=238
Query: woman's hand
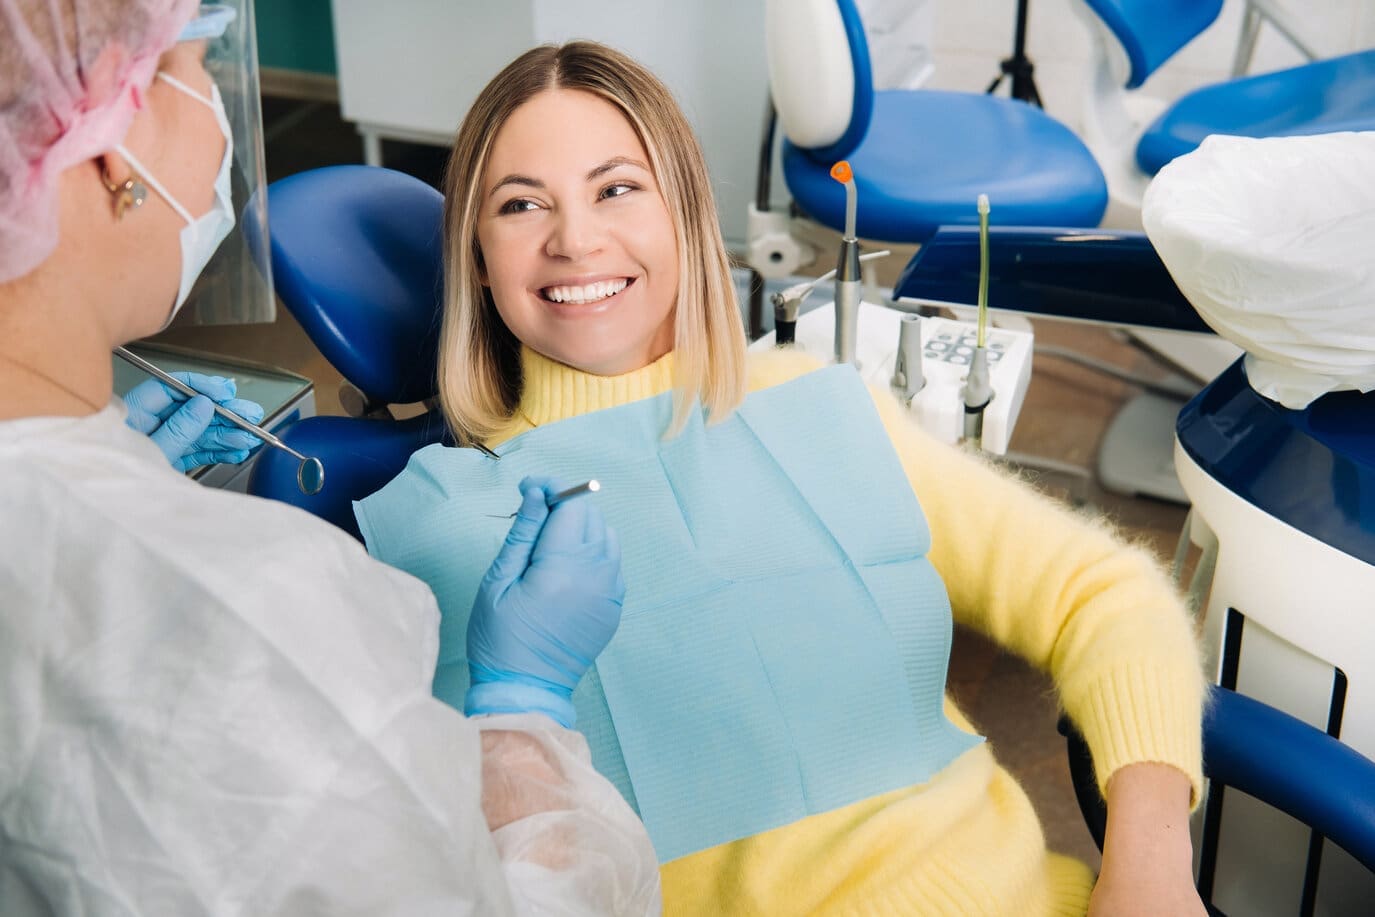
x=1147, y=851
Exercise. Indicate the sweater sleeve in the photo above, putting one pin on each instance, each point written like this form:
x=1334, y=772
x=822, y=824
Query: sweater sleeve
x=1098, y=615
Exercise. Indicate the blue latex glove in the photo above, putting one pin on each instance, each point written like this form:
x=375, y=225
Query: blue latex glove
x=188, y=431
x=548, y=605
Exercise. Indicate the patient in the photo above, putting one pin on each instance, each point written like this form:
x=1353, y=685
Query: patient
x=790, y=540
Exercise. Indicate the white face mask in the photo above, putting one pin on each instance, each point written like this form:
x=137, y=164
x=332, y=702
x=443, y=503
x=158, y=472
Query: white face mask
x=200, y=237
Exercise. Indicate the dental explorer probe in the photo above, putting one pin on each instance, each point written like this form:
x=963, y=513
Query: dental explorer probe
x=847, y=285
x=586, y=487
x=310, y=474
x=978, y=388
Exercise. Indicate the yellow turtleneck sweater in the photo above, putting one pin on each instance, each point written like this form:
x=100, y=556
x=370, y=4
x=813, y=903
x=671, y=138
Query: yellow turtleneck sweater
x=1101, y=618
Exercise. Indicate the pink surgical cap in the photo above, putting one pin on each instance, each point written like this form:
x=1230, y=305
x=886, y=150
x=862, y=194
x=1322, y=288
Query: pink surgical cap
x=72, y=75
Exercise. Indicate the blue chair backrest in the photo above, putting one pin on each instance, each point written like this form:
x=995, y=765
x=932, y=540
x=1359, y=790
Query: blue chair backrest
x=1151, y=31
x=357, y=257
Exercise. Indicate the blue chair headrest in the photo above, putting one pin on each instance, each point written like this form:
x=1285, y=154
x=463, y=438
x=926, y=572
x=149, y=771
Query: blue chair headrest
x=357, y=258
x=1151, y=31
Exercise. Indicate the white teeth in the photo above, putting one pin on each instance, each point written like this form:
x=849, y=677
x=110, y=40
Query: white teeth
x=585, y=294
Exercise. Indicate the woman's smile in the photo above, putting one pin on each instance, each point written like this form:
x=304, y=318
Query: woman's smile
x=590, y=293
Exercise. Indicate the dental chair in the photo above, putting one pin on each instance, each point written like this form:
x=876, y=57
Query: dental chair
x=357, y=260
x=357, y=257
x=1133, y=135
x=920, y=157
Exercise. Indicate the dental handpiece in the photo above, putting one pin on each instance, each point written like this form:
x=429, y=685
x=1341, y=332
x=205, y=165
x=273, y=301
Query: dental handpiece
x=310, y=476
x=849, y=286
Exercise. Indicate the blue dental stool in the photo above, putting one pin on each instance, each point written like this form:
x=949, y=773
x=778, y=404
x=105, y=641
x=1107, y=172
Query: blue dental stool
x=356, y=251
x=1133, y=136
x=920, y=157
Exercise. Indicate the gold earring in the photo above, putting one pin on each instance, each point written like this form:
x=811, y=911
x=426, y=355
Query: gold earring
x=132, y=192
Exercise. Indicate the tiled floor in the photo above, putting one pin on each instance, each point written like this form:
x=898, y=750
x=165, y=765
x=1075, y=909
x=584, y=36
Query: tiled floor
x=1066, y=411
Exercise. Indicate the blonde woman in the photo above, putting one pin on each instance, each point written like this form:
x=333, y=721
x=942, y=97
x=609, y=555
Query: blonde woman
x=773, y=704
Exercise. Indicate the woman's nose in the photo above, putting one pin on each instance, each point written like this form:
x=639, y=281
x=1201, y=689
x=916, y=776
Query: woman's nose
x=577, y=232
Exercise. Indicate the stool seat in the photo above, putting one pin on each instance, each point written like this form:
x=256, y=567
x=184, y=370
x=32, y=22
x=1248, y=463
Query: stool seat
x=910, y=180
x=1318, y=98
x=1312, y=469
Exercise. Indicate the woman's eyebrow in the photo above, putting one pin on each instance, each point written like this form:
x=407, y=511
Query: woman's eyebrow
x=615, y=162
x=525, y=180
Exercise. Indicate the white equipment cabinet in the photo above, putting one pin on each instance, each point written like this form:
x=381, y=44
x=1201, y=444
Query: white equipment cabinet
x=409, y=70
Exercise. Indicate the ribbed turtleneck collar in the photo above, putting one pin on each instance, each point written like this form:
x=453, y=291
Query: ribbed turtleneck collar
x=553, y=391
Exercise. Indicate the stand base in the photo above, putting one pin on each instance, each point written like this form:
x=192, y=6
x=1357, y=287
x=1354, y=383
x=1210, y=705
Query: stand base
x=1136, y=457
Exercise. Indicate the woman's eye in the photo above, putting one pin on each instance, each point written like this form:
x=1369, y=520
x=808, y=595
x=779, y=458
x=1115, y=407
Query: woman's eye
x=617, y=189
x=519, y=205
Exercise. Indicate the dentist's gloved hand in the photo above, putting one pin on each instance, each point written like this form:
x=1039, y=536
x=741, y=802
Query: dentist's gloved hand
x=188, y=431
x=548, y=605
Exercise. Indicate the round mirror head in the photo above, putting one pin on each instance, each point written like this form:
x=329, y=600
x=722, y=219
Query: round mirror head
x=310, y=476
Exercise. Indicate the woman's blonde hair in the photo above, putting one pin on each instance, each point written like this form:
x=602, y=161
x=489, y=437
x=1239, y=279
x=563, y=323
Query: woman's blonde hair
x=480, y=380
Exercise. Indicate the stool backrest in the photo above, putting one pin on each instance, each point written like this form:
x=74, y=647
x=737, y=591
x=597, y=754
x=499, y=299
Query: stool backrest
x=1151, y=31
x=819, y=74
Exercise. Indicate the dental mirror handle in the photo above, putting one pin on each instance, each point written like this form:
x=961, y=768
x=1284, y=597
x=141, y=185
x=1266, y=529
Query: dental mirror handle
x=241, y=422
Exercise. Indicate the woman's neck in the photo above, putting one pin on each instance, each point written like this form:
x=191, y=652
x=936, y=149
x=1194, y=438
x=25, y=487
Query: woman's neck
x=553, y=391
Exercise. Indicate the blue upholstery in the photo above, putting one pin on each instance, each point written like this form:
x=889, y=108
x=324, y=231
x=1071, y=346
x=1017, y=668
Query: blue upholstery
x=927, y=155
x=356, y=259
x=356, y=253
x=1279, y=760
x=1318, y=98
x=1151, y=31
x=360, y=455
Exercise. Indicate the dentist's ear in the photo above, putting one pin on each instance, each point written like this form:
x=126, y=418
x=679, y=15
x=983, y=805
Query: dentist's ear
x=125, y=186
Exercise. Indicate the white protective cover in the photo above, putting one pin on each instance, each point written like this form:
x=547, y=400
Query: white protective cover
x=811, y=76
x=214, y=704
x=1273, y=242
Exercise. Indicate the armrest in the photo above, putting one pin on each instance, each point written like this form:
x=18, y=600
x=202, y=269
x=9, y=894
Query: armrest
x=1294, y=767
x=1273, y=757
x=1093, y=275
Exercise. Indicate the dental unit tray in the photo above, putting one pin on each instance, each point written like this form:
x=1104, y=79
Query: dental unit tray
x=946, y=346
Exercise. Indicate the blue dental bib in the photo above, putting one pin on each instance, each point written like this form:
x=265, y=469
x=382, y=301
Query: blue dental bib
x=784, y=641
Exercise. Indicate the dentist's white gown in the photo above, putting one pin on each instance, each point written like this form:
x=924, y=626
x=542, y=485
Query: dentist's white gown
x=211, y=704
